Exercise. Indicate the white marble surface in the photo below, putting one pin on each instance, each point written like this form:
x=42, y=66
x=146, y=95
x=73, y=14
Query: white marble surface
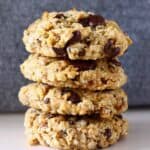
x=12, y=132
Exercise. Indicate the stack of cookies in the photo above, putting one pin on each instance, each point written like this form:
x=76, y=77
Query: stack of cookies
x=77, y=100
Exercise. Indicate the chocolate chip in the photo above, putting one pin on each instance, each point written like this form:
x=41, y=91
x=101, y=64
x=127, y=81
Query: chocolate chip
x=74, y=97
x=75, y=38
x=92, y=20
x=60, y=16
x=84, y=65
x=108, y=133
x=60, y=52
x=81, y=53
x=110, y=49
x=46, y=100
x=104, y=81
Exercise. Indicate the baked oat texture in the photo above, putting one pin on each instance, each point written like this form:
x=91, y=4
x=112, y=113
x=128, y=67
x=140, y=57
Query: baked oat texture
x=73, y=133
x=66, y=101
x=76, y=35
x=93, y=75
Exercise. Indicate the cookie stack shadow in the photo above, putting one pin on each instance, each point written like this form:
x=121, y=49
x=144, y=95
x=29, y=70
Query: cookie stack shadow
x=76, y=99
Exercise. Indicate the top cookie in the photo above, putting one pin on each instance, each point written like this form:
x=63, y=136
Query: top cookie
x=76, y=35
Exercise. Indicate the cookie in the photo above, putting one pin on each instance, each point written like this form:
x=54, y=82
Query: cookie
x=73, y=133
x=75, y=35
x=66, y=101
x=90, y=74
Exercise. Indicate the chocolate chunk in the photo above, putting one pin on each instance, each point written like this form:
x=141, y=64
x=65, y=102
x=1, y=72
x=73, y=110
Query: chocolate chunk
x=110, y=49
x=87, y=41
x=119, y=116
x=95, y=20
x=75, y=38
x=98, y=147
x=76, y=78
x=84, y=65
x=92, y=20
x=88, y=117
x=74, y=97
x=65, y=90
x=115, y=62
x=90, y=83
x=60, y=52
x=104, y=81
x=84, y=21
x=82, y=52
x=107, y=133
x=115, y=52
x=60, y=16
x=46, y=100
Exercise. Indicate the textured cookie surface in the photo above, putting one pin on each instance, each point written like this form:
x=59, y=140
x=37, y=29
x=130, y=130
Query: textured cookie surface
x=76, y=35
x=93, y=75
x=68, y=101
x=73, y=133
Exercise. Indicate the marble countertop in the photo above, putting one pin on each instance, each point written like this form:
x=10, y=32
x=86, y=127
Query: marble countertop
x=12, y=132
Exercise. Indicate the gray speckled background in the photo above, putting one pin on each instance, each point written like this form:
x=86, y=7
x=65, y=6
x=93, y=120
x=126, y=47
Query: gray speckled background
x=16, y=15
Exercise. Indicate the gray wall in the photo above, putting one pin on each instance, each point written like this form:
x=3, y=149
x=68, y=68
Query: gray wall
x=16, y=15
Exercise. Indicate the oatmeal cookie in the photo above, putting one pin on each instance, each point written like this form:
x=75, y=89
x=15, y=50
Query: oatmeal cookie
x=86, y=74
x=66, y=101
x=75, y=35
x=73, y=133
